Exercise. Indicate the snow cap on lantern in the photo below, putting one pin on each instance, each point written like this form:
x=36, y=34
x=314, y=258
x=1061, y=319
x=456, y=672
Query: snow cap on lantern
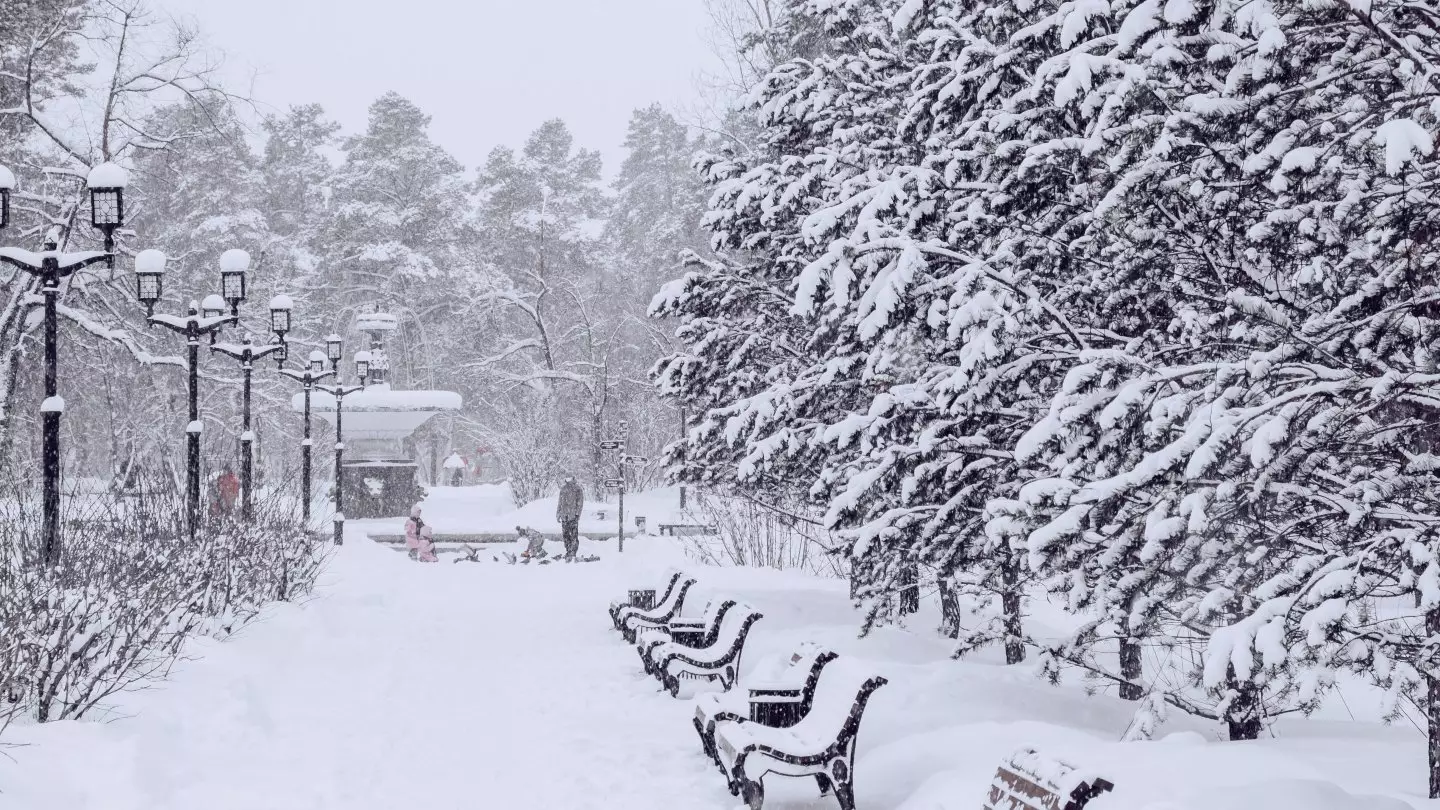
x=107, y=175
x=213, y=306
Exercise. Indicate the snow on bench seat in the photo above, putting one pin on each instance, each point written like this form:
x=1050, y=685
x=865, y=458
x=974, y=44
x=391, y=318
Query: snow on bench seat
x=800, y=672
x=822, y=745
x=1030, y=781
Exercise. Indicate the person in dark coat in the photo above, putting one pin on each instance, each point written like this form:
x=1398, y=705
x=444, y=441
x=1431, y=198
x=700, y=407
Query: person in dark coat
x=567, y=511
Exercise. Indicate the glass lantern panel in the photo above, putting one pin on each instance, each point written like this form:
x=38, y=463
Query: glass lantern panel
x=105, y=207
x=232, y=286
x=148, y=286
x=280, y=320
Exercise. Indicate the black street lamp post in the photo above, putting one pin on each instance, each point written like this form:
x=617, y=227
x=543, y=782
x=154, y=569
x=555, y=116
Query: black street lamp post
x=106, y=184
x=335, y=350
x=313, y=373
x=205, y=318
x=247, y=353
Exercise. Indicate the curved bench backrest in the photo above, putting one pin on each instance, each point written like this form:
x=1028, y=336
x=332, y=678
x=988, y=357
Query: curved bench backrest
x=741, y=630
x=807, y=692
x=670, y=588
x=714, y=620
x=670, y=608
x=851, y=731
x=843, y=689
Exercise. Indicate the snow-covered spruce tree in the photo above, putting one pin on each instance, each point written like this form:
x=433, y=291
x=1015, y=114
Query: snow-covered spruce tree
x=746, y=369
x=1272, y=448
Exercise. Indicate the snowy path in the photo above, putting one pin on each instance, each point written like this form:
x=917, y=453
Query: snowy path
x=439, y=686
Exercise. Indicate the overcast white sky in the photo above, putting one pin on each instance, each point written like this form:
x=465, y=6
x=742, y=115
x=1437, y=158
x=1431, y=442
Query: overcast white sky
x=487, y=71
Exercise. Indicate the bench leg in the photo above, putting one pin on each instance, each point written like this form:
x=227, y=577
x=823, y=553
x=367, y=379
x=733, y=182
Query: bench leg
x=824, y=782
x=845, y=794
x=753, y=793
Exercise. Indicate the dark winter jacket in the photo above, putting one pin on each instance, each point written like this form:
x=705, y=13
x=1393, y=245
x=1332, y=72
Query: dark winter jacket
x=572, y=499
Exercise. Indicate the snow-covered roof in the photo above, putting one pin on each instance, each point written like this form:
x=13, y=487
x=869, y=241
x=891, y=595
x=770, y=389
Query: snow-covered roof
x=282, y=302
x=233, y=260
x=318, y=355
x=376, y=322
x=108, y=175
x=212, y=301
x=381, y=398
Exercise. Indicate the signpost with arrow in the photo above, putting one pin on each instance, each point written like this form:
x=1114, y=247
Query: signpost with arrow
x=618, y=445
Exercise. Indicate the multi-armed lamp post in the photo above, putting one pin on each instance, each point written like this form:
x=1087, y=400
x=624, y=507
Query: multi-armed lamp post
x=313, y=373
x=205, y=318
x=106, y=184
x=335, y=352
x=247, y=353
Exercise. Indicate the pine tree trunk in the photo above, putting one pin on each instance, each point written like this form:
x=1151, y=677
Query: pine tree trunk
x=909, y=588
x=1010, y=608
x=1242, y=716
x=597, y=457
x=1432, y=711
x=1130, y=669
x=949, y=606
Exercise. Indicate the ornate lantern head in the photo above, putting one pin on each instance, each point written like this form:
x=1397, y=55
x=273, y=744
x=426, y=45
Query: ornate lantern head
x=280, y=307
x=149, y=278
x=107, y=184
x=362, y=365
x=317, y=361
x=334, y=349
x=234, y=264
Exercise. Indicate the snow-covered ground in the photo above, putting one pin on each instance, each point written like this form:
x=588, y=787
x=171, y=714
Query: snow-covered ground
x=462, y=685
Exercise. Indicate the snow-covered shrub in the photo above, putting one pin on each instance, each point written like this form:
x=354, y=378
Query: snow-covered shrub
x=132, y=586
x=763, y=535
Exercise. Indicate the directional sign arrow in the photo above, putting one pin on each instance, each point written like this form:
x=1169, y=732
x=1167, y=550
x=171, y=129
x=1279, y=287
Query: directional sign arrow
x=636, y=460
x=613, y=483
x=613, y=444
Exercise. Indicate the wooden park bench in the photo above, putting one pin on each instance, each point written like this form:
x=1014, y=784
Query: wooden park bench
x=683, y=633
x=719, y=661
x=1029, y=781
x=781, y=703
x=634, y=621
x=821, y=746
x=679, y=529
x=641, y=599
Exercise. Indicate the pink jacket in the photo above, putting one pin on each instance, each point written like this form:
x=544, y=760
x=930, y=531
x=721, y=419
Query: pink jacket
x=426, y=545
x=412, y=533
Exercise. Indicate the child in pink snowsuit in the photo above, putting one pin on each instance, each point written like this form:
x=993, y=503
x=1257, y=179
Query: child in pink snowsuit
x=412, y=531
x=426, y=548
